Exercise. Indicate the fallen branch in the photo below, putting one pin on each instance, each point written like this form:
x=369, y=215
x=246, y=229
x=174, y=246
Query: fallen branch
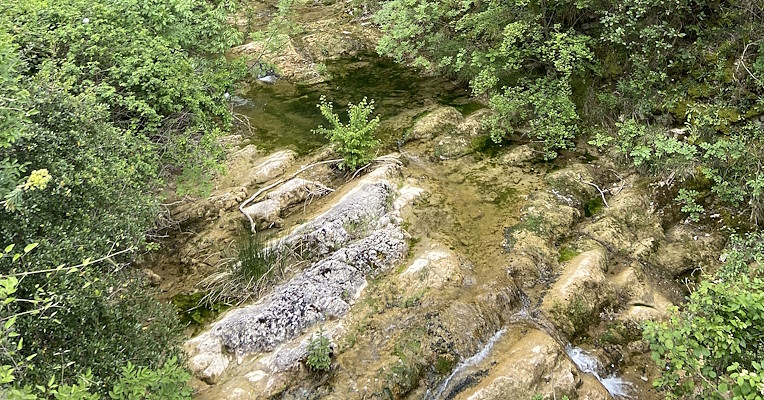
x=602, y=193
x=386, y=158
x=274, y=184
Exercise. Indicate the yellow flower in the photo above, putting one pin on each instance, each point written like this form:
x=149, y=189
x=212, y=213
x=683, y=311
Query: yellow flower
x=38, y=179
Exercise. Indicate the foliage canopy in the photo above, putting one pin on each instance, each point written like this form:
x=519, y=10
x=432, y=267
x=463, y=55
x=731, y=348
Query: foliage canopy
x=677, y=86
x=100, y=103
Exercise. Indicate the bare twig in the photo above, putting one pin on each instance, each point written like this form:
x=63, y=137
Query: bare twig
x=602, y=193
x=72, y=268
x=274, y=184
x=741, y=62
x=386, y=158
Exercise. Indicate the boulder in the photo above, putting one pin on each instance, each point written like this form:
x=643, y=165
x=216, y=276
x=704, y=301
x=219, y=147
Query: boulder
x=209, y=360
x=592, y=389
x=686, y=249
x=463, y=139
x=519, y=156
x=440, y=121
x=580, y=293
x=363, y=207
x=325, y=290
x=531, y=257
x=433, y=270
x=273, y=166
x=265, y=214
x=536, y=364
x=568, y=185
x=243, y=158
x=630, y=226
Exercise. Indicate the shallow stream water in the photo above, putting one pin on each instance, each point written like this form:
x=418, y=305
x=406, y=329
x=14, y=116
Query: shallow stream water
x=283, y=114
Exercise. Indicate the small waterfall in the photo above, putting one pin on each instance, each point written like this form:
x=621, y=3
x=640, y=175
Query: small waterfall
x=479, y=356
x=617, y=387
x=586, y=363
x=529, y=315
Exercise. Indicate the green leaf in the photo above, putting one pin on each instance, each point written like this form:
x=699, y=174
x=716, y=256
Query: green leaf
x=30, y=247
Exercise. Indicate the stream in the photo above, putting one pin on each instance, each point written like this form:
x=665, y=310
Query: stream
x=402, y=340
x=283, y=114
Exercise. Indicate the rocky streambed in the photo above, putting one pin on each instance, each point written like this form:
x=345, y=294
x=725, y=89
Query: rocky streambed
x=449, y=269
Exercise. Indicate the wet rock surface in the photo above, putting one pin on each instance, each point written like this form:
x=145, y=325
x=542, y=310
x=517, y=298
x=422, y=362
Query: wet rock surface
x=423, y=329
x=457, y=275
x=580, y=293
x=535, y=364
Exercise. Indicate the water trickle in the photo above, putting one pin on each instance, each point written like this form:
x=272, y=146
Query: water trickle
x=617, y=387
x=586, y=363
x=478, y=357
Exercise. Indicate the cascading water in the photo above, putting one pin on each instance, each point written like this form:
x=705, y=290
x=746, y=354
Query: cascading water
x=617, y=387
x=586, y=363
x=478, y=357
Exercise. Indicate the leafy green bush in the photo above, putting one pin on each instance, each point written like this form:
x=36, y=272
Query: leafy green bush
x=100, y=101
x=712, y=348
x=167, y=381
x=675, y=85
x=522, y=54
x=688, y=200
x=159, y=68
x=319, y=353
x=355, y=140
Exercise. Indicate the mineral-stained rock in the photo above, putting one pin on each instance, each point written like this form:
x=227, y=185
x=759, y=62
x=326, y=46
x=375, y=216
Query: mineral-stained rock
x=536, y=364
x=269, y=168
x=580, y=293
x=630, y=226
x=686, y=249
x=359, y=211
x=438, y=122
x=267, y=213
x=325, y=290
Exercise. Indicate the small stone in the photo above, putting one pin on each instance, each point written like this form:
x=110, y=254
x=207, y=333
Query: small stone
x=153, y=278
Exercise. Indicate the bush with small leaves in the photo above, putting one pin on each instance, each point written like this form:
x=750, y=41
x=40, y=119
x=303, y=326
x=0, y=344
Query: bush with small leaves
x=319, y=353
x=712, y=347
x=355, y=140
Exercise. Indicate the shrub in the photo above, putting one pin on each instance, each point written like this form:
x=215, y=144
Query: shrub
x=319, y=353
x=167, y=380
x=633, y=69
x=355, y=140
x=524, y=56
x=712, y=348
x=109, y=98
